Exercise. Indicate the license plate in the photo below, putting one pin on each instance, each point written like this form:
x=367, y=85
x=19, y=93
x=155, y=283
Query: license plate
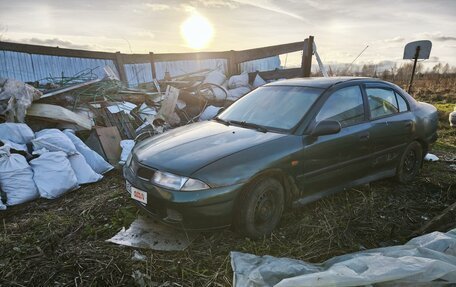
x=137, y=194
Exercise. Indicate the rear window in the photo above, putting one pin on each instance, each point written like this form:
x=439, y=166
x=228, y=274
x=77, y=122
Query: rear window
x=384, y=102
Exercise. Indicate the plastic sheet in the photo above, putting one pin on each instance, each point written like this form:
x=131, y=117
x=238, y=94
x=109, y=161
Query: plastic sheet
x=424, y=259
x=127, y=146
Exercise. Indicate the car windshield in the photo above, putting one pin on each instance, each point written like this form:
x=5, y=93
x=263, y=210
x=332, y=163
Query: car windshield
x=271, y=107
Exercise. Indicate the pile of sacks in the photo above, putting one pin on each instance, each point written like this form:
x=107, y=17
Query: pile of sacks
x=233, y=88
x=44, y=164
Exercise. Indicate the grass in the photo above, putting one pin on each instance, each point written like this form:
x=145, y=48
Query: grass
x=62, y=242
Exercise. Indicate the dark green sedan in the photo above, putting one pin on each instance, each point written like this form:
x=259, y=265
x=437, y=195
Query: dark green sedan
x=285, y=143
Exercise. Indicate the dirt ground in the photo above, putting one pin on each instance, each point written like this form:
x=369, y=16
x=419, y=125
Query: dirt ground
x=62, y=242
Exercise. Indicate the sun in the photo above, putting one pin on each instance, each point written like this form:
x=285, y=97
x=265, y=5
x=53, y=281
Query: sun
x=197, y=31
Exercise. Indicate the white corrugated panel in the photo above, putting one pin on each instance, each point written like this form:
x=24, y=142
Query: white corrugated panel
x=138, y=73
x=33, y=67
x=176, y=68
x=265, y=64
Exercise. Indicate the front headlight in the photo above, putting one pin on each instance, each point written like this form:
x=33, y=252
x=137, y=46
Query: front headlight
x=176, y=182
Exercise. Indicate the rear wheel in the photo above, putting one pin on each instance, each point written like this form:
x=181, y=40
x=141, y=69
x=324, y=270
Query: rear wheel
x=410, y=163
x=259, y=208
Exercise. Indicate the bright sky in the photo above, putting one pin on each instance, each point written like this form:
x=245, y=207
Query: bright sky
x=341, y=28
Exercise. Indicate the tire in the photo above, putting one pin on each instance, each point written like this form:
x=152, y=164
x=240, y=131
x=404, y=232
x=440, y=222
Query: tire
x=410, y=163
x=259, y=208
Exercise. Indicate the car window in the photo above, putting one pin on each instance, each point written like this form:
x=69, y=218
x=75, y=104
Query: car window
x=382, y=102
x=275, y=107
x=345, y=106
x=401, y=103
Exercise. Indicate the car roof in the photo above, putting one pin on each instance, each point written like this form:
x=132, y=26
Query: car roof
x=317, y=82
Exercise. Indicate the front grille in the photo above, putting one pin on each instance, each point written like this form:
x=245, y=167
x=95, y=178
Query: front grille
x=141, y=171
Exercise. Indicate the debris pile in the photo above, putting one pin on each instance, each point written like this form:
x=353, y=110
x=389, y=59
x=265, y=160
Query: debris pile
x=42, y=146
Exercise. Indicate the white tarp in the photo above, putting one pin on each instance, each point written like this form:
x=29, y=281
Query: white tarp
x=96, y=161
x=424, y=259
x=53, y=174
x=127, y=146
x=16, y=178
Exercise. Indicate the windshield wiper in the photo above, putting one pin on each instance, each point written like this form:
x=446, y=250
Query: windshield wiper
x=245, y=124
x=227, y=123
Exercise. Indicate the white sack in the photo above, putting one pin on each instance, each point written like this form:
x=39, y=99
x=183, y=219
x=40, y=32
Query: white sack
x=2, y=206
x=53, y=174
x=16, y=178
x=209, y=113
x=237, y=81
x=17, y=133
x=96, y=161
x=215, y=77
x=12, y=145
x=53, y=140
x=127, y=146
x=425, y=259
x=431, y=157
x=84, y=173
x=235, y=94
x=258, y=81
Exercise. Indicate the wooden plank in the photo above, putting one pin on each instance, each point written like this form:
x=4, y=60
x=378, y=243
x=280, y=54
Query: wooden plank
x=441, y=222
x=135, y=58
x=190, y=56
x=264, y=52
x=55, y=51
x=110, y=142
x=58, y=114
x=152, y=65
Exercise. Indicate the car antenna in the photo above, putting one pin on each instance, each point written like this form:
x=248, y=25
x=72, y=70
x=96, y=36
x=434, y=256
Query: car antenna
x=349, y=66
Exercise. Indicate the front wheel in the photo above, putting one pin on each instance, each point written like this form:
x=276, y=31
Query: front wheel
x=259, y=208
x=410, y=163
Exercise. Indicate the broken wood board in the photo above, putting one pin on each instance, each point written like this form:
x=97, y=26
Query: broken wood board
x=106, y=142
x=150, y=234
x=441, y=222
x=169, y=103
x=59, y=114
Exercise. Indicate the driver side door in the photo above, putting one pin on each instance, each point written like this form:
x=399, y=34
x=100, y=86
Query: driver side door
x=333, y=160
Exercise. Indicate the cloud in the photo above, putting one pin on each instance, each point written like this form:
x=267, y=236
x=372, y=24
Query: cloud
x=397, y=39
x=219, y=3
x=268, y=5
x=157, y=6
x=438, y=36
x=56, y=42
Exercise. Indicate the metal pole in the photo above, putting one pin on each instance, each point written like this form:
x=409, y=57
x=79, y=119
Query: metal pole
x=417, y=53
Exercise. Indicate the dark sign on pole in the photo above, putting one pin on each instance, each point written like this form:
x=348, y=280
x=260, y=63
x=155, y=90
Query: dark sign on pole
x=414, y=51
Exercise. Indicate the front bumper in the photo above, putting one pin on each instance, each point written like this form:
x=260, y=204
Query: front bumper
x=193, y=210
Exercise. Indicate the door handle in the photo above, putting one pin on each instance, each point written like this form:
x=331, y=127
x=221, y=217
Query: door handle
x=408, y=125
x=364, y=137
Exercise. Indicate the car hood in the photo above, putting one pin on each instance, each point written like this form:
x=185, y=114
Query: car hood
x=185, y=150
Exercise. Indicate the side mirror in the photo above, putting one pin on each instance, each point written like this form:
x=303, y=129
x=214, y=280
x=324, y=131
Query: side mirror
x=326, y=128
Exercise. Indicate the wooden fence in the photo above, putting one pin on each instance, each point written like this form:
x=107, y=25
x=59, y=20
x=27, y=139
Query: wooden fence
x=234, y=58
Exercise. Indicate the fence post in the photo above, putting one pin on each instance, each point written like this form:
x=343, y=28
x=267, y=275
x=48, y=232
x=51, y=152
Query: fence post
x=307, y=51
x=232, y=65
x=152, y=65
x=121, y=67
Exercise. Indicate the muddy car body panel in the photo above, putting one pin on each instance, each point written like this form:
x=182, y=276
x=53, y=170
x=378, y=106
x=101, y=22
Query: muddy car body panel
x=227, y=156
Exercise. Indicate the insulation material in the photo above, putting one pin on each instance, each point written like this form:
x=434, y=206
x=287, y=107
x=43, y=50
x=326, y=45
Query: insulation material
x=425, y=259
x=148, y=233
x=95, y=161
x=215, y=77
x=16, y=178
x=258, y=81
x=53, y=140
x=53, y=174
x=84, y=173
x=17, y=133
x=238, y=81
x=15, y=98
x=235, y=94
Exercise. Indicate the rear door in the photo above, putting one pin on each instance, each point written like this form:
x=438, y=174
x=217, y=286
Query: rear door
x=332, y=160
x=392, y=125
